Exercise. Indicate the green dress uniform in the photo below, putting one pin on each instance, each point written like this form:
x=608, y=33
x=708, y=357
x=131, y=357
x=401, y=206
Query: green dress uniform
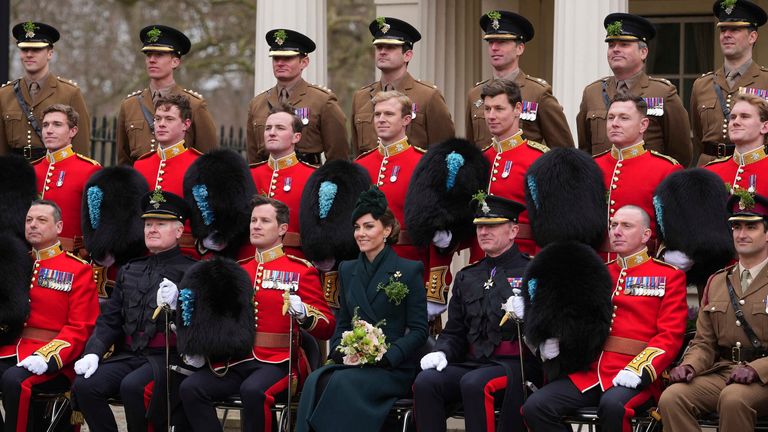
x=359, y=398
x=135, y=137
x=668, y=131
x=543, y=119
x=324, y=128
x=17, y=134
x=708, y=119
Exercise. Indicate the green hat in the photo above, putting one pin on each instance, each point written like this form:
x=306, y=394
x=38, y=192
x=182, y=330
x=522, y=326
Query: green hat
x=372, y=201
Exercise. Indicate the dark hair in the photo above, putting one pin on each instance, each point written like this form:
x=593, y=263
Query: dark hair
x=281, y=209
x=179, y=101
x=640, y=104
x=502, y=86
x=49, y=203
x=388, y=220
x=285, y=107
x=72, y=116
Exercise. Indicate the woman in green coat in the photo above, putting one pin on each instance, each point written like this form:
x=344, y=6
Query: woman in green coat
x=343, y=397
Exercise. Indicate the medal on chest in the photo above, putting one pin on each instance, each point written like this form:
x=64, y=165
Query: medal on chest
x=281, y=280
x=489, y=283
x=507, y=169
x=287, y=184
x=55, y=279
x=60, y=180
x=655, y=106
x=303, y=114
x=529, y=111
x=395, y=173
x=647, y=286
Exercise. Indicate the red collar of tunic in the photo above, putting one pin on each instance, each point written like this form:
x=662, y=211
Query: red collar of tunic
x=48, y=253
x=509, y=143
x=172, y=151
x=634, y=260
x=630, y=152
x=269, y=254
x=283, y=162
x=60, y=154
x=749, y=157
x=394, y=148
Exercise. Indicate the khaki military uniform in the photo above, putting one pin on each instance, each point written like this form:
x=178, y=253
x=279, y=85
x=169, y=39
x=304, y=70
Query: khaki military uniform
x=16, y=132
x=709, y=124
x=134, y=138
x=668, y=132
x=542, y=123
x=432, y=124
x=711, y=354
x=324, y=123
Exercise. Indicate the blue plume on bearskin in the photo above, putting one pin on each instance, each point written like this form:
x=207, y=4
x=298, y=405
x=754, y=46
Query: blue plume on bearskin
x=569, y=298
x=218, y=188
x=17, y=191
x=111, y=214
x=566, y=199
x=325, y=215
x=16, y=268
x=694, y=220
x=217, y=318
x=431, y=205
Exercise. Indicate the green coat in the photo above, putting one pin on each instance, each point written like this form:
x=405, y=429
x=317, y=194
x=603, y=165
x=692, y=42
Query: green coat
x=357, y=396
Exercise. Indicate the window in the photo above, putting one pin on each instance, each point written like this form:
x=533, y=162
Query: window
x=683, y=49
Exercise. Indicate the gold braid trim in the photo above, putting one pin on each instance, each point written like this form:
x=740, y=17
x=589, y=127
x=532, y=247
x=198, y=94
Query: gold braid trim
x=315, y=314
x=644, y=360
x=436, y=287
x=52, y=350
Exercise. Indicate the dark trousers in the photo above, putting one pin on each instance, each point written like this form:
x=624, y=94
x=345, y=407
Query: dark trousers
x=545, y=408
x=13, y=380
x=478, y=387
x=256, y=382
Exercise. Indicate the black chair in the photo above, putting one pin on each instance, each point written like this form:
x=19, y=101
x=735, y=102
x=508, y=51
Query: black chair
x=402, y=409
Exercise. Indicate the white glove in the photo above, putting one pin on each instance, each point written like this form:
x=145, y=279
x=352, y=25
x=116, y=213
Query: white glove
x=434, y=360
x=87, y=365
x=515, y=305
x=194, y=360
x=297, y=309
x=442, y=238
x=435, y=309
x=678, y=259
x=627, y=379
x=549, y=349
x=34, y=363
x=211, y=244
x=167, y=294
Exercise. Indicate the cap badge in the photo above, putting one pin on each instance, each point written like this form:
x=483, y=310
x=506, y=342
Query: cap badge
x=728, y=6
x=29, y=28
x=480, y=198
x=746, y=199
x=156, y=198
x=614, y=28
x=153, y=35
x=495, y=16
x=280, y=37
x=383, y=26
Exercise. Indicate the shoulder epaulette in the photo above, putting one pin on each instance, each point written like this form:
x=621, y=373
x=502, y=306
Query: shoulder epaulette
x=661, y=80
x=486, y=148
x=194, y=150
x=297, y=259
x=606, y=78
x=482, y=82
x=137, y=92
x=256, y=164
x=87, y=159
x=37, y=161
x=67, y=81
x=73, y=256
x=538, y=81
x=662, y=155
x=600, y=154
x=193, y=93
x=9, y=82
x=309, y=164
x=658, y=261
x=763, y=68
x=611, y=261
x=244, y=260
x=472, y=264
x=419, y=149
x=146, y=155
x=366, y=153
x=538, y=146
x=323, y=89
x=427, y=84
x=718, y=160
x=367, y=86
x=708, y=73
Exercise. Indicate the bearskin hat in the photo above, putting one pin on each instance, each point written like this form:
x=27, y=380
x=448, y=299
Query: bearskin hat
x=567, y=290
x=218, y=188
x=215, y=312
x=111, y=214
x=17, y=191
x=441, y=190
x=565, y=197
x=325, y=215
x=691, y=217
x=16, y=268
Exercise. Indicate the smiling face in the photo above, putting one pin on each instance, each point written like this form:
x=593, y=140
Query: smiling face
x=35, y=61
x=502, y=118
x=389, y=121
x=750, y=239
x=745, y=128
x=626, y=58
x=736, y=42
x=370, y=234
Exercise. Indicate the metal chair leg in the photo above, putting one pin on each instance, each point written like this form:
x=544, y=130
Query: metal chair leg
x=406, y=419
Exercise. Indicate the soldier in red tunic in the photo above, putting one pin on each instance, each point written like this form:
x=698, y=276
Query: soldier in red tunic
x=63, y=310
x=263, y=375
x=62, y=173
x=164, y=168
x=283, y=175
x=748, y=167
x=649, y=315
x=630, y=171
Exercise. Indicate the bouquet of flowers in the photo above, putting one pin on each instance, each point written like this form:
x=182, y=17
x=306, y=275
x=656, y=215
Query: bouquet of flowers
x=364, y=344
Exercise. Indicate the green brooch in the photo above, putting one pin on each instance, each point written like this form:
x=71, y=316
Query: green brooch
x=728, y=5
x=614, y=29
x=394, y=289
x=383, y=26
x=156, y=198
x=29, y=29
x=153, y=35
x=746, y=199
x=280, y=37
x=495, y=16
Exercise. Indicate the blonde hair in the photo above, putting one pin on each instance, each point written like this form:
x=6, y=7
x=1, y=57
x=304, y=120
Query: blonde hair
x=405, y=101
